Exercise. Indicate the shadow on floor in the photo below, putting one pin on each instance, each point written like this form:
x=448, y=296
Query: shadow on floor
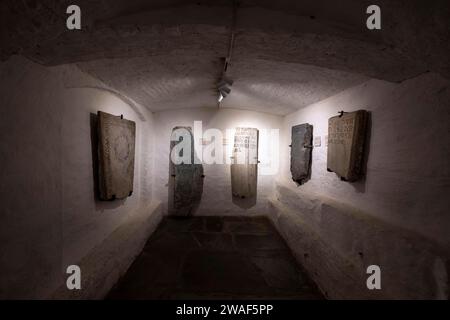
x=244, y=203
x=215, y=258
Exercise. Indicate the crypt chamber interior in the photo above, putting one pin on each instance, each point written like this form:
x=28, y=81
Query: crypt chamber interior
x=343, y=133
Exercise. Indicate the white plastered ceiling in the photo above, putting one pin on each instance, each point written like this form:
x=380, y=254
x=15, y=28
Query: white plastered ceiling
x=285, y=55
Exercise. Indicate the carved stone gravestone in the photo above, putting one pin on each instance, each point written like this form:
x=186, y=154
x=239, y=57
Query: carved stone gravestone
x=186, y=176
x=116, y=144
x=244, y=166
x=301, y=150
x=346, y=138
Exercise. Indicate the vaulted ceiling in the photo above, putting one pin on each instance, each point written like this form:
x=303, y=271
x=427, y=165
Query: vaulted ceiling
x=285, y=54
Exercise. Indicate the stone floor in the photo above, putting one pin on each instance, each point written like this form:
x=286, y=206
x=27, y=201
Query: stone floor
x=215, y=258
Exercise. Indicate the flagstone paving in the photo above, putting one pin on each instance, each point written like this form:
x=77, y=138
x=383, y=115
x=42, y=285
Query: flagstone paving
x=215, y=258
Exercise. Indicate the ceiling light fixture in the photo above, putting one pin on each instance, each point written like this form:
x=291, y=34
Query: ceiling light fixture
x=224, y=88
x=224, y=85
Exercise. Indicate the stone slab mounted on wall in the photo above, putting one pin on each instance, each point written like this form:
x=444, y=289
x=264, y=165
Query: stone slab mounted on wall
x=244, y=167
x=346, y=139
x=116, y=147
x=186, y=177
x=301, y=150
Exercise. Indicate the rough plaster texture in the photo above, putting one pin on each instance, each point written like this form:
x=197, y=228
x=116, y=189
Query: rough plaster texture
x=397, y=217
x=336, y=242
x=170, y=82
x=169, y=55
x=216, y=198
x=50, y=216
x=107, y=262
x=413, y=37
x=286, y=54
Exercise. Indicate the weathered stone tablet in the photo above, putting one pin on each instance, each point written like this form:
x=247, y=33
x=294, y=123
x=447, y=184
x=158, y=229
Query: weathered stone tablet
x=244, y=167
x=301, y=150
x=346, y=137
x=116, y=156
x=186, y=178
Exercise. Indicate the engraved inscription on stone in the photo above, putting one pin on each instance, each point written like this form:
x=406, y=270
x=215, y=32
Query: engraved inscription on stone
x=185, y=179
x=346, y=137
x=244, y=167
x=317, y=141
x=116, y=156
x=301, y=149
